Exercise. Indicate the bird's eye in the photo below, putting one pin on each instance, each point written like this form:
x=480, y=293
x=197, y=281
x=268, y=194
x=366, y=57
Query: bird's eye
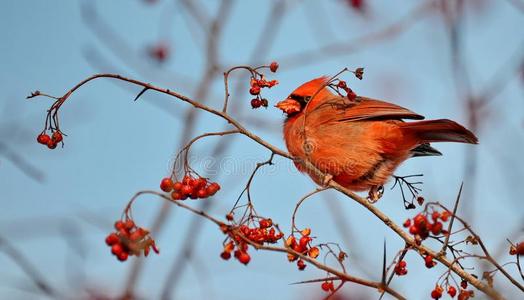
x=299, y=98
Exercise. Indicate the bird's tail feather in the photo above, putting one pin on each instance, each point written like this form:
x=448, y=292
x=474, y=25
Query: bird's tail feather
x=442, y=130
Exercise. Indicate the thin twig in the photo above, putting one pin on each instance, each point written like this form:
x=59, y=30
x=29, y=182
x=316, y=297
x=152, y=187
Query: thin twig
x=450, y=225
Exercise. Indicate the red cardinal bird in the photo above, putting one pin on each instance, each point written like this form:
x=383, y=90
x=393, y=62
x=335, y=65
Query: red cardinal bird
x=358, y=142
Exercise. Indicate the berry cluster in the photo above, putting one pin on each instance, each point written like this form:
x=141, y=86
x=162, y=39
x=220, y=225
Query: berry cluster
x=240, y=253
x=328, y=286
x=50, y=141
x=128, y=239
x=464, y=294
x=303, y=246
x=189, y=187
x=401, y=268
x=421, y=227
x=349, y=92
x=264, y=233
x=256, y=85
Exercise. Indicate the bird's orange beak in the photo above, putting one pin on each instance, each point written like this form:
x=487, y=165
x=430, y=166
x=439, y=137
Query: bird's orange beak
x=289, y=106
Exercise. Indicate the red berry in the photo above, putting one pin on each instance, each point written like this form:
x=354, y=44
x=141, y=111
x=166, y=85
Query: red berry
x=186, y=190
x=420, y=221
x=136, y=235
x=129, y=224
x=273, y=67
x=264, y=102
x=256, y=103
x=186, y=180
x=119, y=225
x=435, y=215
x=254, y=90
x=357, y=4
x=123, y=233
x=313, y=252
x=436, y=294
x=213, y=188
x=400, y=268
x=202, y=193
x=112, y=239
x=436, y=229
x=230, y=217
x=301, y=264
x=194, y=182
x=43, y=138
x=413, y=229
x=465, y=295
x=464, y=284
x=123, y=256
x=331, y=286
x=116, y=249
x=159, y=52
x=243, y=257
x=177, y=186
x=423, y=234
x=342, y=84
x=51, y=144
x=272, y=83
x=445, y=215
x=225, y=255
x=291, y=241
x=57, y=137
x=519, y=249
x=407, y=223
x=166, y=185
x=201, y=182
x=265, y=223
x=177, y=196
x=325, y=286
x=452, y=291
x=429, y=261
x=304, y=241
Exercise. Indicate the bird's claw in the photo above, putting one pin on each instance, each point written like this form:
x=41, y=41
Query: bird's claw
x=375, y=193
x=327, y=179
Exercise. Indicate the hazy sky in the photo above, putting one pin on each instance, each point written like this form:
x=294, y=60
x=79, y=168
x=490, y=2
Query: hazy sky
x=116, y=147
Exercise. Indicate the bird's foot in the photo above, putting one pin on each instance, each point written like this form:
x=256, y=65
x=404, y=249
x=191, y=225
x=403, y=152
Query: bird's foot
x=375, y=193
x=327, y=179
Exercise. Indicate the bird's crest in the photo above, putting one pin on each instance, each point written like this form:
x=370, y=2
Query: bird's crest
x=316, y=86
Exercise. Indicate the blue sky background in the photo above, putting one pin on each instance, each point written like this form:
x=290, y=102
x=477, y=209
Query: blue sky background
x=115, y=147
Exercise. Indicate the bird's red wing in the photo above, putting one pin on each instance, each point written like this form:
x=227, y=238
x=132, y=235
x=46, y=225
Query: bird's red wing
x=367, y=108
